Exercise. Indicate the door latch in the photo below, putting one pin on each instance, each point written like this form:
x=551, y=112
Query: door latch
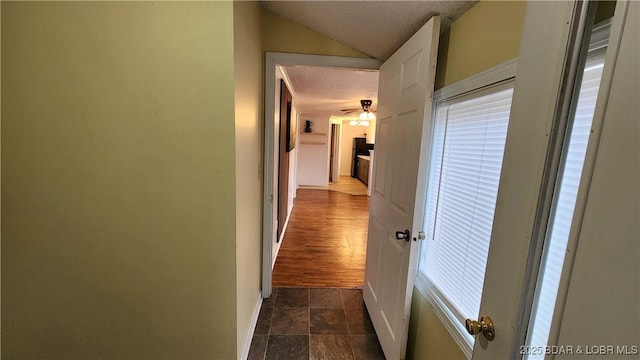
x=403, y=235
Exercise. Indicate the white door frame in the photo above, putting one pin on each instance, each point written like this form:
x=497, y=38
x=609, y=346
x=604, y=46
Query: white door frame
x=272, y=60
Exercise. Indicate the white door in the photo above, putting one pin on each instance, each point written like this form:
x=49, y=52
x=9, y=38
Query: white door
x=522, y=209
x=403, y=123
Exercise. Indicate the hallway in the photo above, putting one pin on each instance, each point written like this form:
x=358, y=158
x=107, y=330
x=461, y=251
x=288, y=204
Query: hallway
x=325, y=242
x=316, y=310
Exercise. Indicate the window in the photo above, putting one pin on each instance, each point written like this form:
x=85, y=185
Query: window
x=469, y=135
x=560, y=223
x=467, y=147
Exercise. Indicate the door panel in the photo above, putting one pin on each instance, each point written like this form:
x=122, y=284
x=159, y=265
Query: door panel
x=380, y=159
x=400, y=197
x=375, y=241
x=404, y=109
x=392, y=306
x=411, y=71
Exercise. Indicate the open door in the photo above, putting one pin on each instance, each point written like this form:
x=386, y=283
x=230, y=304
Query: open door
x=403, y=124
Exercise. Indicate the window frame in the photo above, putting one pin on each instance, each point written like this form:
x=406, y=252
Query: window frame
x=491, y=80
x=598, y=47
x=478, y=85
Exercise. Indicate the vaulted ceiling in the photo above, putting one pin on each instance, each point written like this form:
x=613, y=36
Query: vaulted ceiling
x=376, y=28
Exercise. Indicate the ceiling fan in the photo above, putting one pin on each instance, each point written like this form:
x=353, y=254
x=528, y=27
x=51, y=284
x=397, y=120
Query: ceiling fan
x=365, y=107
x=366, y=113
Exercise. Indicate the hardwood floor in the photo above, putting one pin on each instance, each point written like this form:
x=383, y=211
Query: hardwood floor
x=349, y=185
x=325, y=242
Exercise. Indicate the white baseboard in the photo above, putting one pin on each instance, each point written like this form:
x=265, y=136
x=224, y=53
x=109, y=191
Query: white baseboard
x=252, y=328
x=284, y=231
x=313, y=187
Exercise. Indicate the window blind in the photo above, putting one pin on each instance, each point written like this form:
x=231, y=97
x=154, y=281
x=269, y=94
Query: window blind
x=468, y=142
x=560, y=224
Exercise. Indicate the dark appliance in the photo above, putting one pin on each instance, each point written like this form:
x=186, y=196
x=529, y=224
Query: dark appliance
x=360, y=147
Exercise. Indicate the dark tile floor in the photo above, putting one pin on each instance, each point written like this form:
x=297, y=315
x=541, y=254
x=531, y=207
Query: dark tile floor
x=304, y=323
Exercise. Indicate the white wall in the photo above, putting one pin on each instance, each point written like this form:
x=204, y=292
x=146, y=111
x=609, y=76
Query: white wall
x=313, y=151
x=371, y=132
x=346, y=145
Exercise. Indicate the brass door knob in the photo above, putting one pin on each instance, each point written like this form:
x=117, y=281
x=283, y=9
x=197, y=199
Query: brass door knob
x=484, y=326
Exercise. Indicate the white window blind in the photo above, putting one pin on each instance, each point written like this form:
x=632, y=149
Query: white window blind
x=560, y=224
x=468, y=142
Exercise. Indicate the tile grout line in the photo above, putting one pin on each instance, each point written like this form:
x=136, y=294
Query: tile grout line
x=342, y=295
x=309, y=323
x=346, y=320
x=273, y=311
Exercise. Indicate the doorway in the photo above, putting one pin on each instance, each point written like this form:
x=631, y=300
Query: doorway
x=334, y=165
x=271, y=183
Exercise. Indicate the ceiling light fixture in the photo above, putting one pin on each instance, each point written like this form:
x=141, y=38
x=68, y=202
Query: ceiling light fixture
x=359, y=122
x=363, y=119
x=365, y=115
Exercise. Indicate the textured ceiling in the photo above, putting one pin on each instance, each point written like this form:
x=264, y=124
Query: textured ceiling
x=376, y=28
x=320, y=90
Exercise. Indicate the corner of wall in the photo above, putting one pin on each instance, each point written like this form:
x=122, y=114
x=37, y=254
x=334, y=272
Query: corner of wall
x=248, y=90
x=486, y=35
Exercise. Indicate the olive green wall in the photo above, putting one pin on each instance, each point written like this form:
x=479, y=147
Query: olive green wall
x=485, y=36
x=428, y=338
x=249, y=139
x=118, y=181
x=283, y=35
x=605, y=10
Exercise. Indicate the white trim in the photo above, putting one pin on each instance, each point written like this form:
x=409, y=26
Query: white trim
x=284, y=231
x=284, y=59
x=487, y=80
x=496, y=74
x=285, y=77
x=313, y=187
x=272, y=59
x=252, y=328
x=615, y=29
